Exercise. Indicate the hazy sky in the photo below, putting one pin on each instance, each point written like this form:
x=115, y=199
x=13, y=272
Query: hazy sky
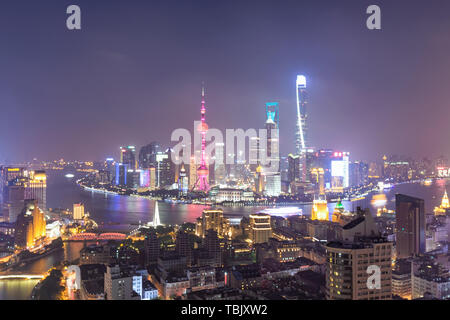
x=133, y=74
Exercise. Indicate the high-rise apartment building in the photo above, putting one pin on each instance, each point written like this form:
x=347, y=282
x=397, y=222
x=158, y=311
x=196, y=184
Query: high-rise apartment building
x=151, y=248
x=118, y=284
x=351, y=261
x=212, y=246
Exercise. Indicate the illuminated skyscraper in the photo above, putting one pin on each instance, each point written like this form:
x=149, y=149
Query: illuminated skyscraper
x=183, y=181
x=301, y=132
x=30, y=225
x=147, y=155
x=128, y=156
x=192, y=173
x=272, y=168
x=36, y=188
x=203, y=171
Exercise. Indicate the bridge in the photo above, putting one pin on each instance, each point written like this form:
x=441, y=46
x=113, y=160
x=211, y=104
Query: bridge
x=94, y=236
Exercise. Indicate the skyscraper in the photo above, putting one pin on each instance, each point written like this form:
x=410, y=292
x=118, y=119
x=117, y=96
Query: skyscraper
x=36, y=188
x=30, y=225
x=349, y=261
x=192, y=173
x=202, y=171
x=212, y=246
x=183, y=181
x=165, y=169
x=410, y=224
x=128, y=156
x=183, y=246
x=147, y=155
x=151, y=247
x=301, y=132
x=272, y=169
x=14, y=197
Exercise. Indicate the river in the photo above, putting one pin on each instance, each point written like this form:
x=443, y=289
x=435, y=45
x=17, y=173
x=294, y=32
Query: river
x=127, y=211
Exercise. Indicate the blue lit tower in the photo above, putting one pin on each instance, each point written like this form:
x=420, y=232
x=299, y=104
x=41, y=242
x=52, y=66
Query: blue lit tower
x=273, y=112
x=272, y=172
x=301, y=142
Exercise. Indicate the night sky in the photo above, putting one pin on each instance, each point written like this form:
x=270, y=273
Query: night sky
x=133, y=74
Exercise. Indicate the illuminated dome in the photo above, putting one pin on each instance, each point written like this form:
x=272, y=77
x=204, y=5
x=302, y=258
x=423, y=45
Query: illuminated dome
x=202, y=127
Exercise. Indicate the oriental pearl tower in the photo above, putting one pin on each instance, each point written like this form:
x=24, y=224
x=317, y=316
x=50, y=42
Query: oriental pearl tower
x=202, y=170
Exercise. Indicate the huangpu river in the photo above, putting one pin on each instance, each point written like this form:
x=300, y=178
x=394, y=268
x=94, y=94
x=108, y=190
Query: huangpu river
x=116, y=211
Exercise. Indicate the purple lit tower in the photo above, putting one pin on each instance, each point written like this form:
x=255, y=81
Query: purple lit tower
x=202, y=170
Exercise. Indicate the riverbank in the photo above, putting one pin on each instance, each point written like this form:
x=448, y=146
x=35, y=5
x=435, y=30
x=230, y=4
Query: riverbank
x=25, y=257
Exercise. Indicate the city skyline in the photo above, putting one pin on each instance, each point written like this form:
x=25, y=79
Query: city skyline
x=113, y=84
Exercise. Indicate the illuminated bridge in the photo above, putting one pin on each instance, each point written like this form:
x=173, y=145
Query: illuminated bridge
x=94, y=236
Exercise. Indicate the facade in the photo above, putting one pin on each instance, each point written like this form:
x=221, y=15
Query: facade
x=36, y=188
x=260, y=228
x=165, y=169
x=151, y=248
x=78, y=211
x=96, y=254
x=128, y=156
x=211, y=219
x=350, y=261
x=119, y=284
x=120, y=174
x=14, y=197
x=213, y=249
x=147, y=155
x=347, y=265
x=234, y=195
x=410, y=224
x=301, y=142
x=30, y=225
x=183, y=181
x=271, y=169
x=430, y=278
x=202, y=278
x=401, y=279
